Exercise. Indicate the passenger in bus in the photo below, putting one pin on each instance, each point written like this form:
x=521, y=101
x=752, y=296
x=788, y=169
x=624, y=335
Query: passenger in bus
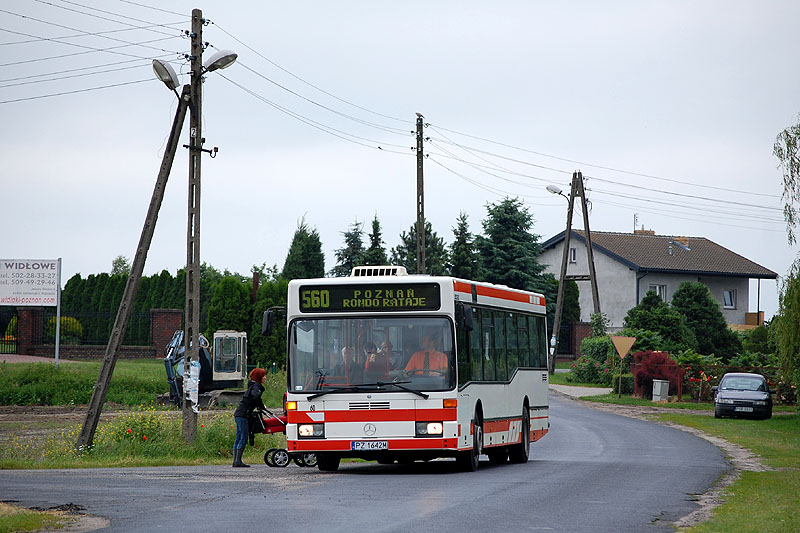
x=427, y=359
x=376, y=367
x=350, y=366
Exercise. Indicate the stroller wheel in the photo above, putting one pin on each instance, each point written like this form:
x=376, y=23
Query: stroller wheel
x=280, y=458
x=298, y=460
x=309, y=459
x=269, y=456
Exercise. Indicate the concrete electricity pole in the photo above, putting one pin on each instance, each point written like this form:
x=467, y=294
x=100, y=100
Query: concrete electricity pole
x=192, y=312
x=575, y=190
x=420, y=200
x=86, y=436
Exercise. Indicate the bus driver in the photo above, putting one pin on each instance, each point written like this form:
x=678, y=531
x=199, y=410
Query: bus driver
x=427, y=358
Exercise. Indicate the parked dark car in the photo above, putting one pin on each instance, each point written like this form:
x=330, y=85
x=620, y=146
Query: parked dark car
x=743, y=394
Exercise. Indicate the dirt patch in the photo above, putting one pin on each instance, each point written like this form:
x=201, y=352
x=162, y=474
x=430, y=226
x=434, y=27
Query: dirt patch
x=741, y=459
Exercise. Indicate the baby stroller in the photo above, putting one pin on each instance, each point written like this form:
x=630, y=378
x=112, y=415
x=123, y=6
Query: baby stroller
x=280, y=457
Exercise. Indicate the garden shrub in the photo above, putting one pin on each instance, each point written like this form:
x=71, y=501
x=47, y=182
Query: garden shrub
x=587, y=370
x=627, y=383
x=650, y=365
x=600, y=349
x=71, y=330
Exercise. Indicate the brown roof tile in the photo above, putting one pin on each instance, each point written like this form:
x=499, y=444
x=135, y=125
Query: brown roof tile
x=665, y=253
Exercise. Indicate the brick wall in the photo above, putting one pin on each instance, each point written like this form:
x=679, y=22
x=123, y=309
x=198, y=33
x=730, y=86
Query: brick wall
x=163, y=324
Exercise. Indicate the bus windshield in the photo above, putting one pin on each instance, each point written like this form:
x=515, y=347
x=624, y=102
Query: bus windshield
x=332, y=354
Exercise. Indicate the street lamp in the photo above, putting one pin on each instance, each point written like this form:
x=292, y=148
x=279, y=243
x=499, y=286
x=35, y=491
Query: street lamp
x=220, y=60
x=166, y=73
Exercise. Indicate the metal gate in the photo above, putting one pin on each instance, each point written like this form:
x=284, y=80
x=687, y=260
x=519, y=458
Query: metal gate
x=8, y=330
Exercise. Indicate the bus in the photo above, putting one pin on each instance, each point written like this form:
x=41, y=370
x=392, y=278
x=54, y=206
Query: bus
x=387, y=366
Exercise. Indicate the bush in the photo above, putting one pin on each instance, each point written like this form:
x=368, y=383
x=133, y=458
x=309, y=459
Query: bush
x=587, y=370
x=627, y=383
x=652, y=365
x=755, y=359
x=71, y=331
x=599, y=349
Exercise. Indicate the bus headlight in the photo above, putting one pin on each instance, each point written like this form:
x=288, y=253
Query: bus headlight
x=429, y=428
x=311, y=430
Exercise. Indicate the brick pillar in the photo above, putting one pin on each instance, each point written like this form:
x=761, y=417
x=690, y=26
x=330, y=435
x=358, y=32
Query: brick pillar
x=580, y=330
x=163, y=325
x=29, y=328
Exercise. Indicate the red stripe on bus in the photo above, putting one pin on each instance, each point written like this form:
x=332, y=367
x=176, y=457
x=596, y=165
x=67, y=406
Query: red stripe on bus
x=495, y=292
x=396, y=444
x=378, y=415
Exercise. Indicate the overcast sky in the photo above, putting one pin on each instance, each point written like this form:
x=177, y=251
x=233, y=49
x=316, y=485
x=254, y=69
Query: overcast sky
x=670, y=109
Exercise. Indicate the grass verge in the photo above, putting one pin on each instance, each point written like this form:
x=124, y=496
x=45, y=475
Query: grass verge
x=690, y=406
x=19, y=519
x=758, y=501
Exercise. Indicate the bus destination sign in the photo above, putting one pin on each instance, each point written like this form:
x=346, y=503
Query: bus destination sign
x=373, y=297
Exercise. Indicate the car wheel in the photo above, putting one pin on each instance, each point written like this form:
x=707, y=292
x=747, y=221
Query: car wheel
x=717, y=413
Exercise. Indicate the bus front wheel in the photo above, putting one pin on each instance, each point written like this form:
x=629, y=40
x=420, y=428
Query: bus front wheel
x=468, y=460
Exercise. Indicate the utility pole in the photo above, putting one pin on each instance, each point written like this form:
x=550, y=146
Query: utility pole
x=86, y=436
x=192, y=312
x=576, y=189
x=420, y=200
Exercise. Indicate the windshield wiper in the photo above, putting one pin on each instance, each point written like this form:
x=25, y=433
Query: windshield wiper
x=399, y=385
x=342, y=389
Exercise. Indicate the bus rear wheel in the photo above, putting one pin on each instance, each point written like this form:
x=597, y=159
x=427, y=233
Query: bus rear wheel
x=520, y=452
x=327, y=463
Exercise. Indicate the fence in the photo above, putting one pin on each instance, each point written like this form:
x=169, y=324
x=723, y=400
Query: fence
x=85, y=334
x=8, y=330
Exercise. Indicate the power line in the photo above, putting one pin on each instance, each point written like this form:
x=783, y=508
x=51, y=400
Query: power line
x=110, y=49
x=78, y=69
x=107, y=12
x=318, y=125
x=74, y=92
x=58, y=40
x=30, y=82
x=323, y=91
x=84, y=34
x=151, y=7
x=613, y=169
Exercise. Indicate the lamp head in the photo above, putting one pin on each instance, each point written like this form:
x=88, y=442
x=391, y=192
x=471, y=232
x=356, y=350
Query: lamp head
x=220, y=60
x=165, y=73
x=553, y=189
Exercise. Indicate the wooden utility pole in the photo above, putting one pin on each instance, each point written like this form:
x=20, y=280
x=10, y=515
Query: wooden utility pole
x=86, y=436
x=192, y=312
x=576, y=189
x=420, y=200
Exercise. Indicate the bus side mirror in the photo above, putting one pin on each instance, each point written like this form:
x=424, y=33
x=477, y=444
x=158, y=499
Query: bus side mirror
x=267, y=323
x=464, y=317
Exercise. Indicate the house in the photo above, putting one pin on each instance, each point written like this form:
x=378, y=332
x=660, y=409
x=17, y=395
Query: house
x=628, y=265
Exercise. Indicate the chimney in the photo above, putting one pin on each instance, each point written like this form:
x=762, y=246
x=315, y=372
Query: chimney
x=644, y=232
x=683, y=240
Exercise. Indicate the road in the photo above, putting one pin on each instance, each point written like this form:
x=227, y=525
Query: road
x=594, y=471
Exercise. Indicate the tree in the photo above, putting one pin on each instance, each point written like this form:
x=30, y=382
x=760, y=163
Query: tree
x=305, y=258
x=268, y=350
x=230, y=306
x=351, y=255
x=571, y=310
x=785, y=324
x=704, y=317
x=509, y=250
x=465, y=261
x=653, y=314
x=376, y=253
x=787, y=150
x=120, y=265
x=436, y=258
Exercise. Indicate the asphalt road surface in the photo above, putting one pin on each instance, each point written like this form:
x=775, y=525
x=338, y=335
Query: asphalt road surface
x=593, y=472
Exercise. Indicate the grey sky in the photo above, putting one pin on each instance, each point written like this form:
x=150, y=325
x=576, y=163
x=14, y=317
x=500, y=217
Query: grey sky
x=693, y=93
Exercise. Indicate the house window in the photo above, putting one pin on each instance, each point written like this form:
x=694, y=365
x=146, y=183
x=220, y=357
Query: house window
x=572, y=255
x=729, y=299
x=660, y=290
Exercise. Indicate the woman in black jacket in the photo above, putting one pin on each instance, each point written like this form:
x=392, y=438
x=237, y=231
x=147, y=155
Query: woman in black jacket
x=249, y=402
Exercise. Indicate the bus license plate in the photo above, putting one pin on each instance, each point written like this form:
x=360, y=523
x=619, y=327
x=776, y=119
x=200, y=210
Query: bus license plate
x=743, y=409
x=369, y=445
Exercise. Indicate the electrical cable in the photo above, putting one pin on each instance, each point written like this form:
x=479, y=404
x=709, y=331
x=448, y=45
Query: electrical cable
x=115, y=63
x=30, y=82
x=108, y=13
x=74, y=92
x=151, y=7
x=86, y=34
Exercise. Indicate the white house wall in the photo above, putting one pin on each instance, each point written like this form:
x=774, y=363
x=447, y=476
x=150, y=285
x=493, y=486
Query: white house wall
x=617, y=285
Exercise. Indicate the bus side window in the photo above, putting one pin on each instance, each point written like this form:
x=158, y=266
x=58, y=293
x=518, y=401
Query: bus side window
x=462, y=356
x=476, y=347
x=523, y=341
x=500, y=318
x=511, y=342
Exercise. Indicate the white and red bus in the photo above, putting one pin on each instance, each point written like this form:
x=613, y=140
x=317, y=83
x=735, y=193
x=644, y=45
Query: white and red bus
x=391, y=367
